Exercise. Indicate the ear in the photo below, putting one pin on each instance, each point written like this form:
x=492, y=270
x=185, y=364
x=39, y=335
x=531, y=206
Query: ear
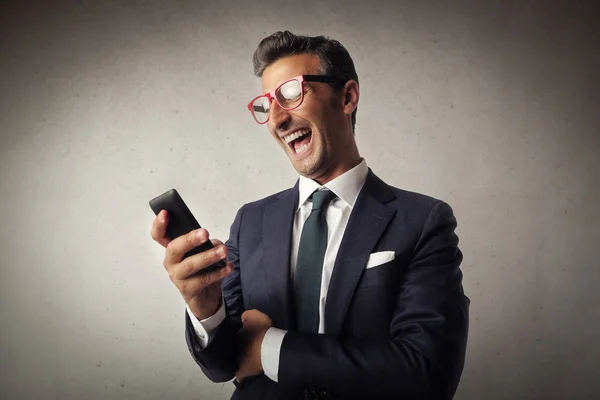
x=351, y=95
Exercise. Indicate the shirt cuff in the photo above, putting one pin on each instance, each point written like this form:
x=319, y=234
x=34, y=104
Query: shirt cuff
x=206, y=328
x=269, y=352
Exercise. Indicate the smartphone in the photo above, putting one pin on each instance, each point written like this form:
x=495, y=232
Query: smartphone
x=182, y=221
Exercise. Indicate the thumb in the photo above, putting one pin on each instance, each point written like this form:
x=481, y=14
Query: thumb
x=244, y=317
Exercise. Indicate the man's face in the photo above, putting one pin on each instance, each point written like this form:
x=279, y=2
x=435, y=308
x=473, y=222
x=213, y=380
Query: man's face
x=320, y=153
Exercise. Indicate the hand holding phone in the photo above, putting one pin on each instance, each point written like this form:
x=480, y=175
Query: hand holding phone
x=182, y=221
x=197, y=278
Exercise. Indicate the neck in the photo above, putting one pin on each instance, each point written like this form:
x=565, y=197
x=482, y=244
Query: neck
x=338, y=170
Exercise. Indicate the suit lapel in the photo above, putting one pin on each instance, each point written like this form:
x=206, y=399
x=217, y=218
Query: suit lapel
x=367, y=222
x=277, y=227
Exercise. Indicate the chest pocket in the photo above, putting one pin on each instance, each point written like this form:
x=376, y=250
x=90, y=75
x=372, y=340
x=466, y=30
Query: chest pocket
x=383, y=274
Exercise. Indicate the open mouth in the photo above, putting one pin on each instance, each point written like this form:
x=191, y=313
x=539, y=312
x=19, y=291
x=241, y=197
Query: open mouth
x=299, y=141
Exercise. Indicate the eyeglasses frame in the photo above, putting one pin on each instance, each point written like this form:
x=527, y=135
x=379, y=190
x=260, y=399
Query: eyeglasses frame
x=301, y=78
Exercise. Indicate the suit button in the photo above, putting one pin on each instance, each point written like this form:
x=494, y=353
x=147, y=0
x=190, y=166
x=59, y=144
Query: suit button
x=198, y=348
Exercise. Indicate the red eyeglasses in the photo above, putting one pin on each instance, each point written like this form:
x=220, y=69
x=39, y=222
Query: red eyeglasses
x=289, y=95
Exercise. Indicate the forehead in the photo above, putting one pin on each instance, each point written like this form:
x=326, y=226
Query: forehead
x=289, y=67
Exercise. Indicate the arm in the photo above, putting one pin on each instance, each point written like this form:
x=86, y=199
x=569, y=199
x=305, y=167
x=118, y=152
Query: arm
x=218, y=359
x=424, y=354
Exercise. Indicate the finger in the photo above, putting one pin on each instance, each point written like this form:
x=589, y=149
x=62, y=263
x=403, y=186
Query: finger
x=184, y=243
x=195, y=264
x=216, y=242
x=192, y=286
x=197, y=285
x=253, y=315
x=159, y=228
x=244, y=316
x=222, y=273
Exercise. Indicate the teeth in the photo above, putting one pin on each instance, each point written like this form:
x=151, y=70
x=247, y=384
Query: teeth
x=302, y=148
x=295, y=135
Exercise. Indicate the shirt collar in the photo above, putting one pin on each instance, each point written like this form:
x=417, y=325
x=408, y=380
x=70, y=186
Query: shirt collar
x=346, y=186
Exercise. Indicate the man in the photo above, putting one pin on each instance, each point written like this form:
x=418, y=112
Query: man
x=346, y=287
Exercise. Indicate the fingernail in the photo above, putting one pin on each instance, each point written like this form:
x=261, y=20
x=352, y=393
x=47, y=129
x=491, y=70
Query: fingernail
x=200, y=235
x=221, y=252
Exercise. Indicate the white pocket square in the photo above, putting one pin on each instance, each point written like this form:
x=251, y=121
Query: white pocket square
x=379, y=258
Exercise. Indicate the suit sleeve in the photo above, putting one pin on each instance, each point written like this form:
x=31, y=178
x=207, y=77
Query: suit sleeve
x=218, y=360
x=424, y=355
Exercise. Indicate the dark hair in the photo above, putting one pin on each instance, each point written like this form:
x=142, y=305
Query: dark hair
x=334, y=58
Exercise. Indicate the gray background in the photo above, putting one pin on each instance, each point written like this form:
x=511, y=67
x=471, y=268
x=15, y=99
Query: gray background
x=492, y=106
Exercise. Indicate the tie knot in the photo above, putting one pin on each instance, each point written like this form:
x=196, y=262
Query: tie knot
x=321, y=199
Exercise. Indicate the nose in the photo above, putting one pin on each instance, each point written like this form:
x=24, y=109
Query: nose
x=278, y=117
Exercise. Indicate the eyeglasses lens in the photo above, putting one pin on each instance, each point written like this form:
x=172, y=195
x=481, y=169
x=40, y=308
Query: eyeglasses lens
x=289, y=94
x=260, y=108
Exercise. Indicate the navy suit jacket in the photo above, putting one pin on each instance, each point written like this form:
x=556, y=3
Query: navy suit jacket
x=398, y=330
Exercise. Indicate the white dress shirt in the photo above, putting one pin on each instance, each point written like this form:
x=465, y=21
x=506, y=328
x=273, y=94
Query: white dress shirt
x=346, y=187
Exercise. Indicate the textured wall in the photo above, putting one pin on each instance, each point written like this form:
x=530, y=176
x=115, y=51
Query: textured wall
x=492, y=106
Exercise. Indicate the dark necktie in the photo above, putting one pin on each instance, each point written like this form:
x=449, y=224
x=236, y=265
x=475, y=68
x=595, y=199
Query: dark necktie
x=309, y=264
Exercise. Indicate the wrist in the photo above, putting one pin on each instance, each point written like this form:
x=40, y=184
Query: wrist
x=204, y=310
